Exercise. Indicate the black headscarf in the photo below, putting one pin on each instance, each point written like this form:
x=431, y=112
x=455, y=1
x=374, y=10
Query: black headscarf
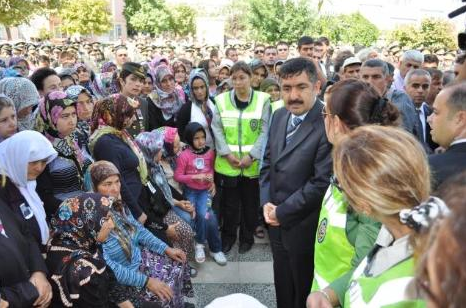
x=191, y=129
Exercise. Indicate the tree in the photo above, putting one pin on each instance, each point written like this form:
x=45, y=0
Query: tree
x=16, y=12
x=274, y=20
x=431, y=33
x=147, y=16
x=352, y=29
x=85, y=17
x=182, y=20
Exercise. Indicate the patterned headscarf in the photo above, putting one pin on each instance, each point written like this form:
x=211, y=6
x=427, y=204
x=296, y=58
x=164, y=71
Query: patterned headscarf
x=169, y=103
x=15, y=60
x=151, y=143
x=102, y=170
x=73, y=256
x=24, y=94
x=50, y=111
x=119, y=108
x=107, y=66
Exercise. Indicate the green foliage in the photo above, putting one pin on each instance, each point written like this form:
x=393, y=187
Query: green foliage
x=154, y=17
x=431, y=33
x=352, y=29
x=274, y=20
x=182, y=20
x=85, y=17
x=146, y=16
x=236, y=24
x=16, y=12
x=44, y=34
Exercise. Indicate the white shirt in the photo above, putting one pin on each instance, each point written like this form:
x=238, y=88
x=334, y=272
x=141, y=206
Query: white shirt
x=422, y=117
x=462, y=140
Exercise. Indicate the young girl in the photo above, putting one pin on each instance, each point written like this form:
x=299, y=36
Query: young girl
x=195, y=169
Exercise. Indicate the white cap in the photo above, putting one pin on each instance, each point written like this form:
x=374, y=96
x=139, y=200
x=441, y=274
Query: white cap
x=351, y=61
x=237, y=300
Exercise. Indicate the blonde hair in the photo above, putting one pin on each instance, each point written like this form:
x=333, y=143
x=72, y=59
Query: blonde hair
x=384, y=168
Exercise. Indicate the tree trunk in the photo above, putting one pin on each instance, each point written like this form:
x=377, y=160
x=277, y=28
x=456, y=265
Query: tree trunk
x=8, y=33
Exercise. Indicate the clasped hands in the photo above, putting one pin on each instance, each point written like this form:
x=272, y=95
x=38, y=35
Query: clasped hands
x=235, y=162
x=270, y=214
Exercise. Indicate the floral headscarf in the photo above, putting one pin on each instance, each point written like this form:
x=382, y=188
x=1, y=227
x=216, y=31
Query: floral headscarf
x=73, y=256
x=151, y=143
x=169, y=103
x=50, y=110
x=119, y=108
x=169, y=134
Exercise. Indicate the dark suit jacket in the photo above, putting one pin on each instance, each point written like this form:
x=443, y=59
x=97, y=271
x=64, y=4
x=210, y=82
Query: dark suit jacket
x=432, y=145
x=447, y=164
x=295, y=177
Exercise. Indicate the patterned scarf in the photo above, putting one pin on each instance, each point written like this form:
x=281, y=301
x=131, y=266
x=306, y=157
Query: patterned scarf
x=73, y=257
x=50, y=110
x=168, y=102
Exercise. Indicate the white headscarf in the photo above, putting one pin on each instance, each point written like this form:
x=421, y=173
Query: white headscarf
x=15, y=154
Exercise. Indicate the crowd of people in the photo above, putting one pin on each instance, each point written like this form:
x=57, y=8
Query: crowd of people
x=117, y=176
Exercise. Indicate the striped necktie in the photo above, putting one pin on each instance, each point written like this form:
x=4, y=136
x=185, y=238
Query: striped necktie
x=292, y=128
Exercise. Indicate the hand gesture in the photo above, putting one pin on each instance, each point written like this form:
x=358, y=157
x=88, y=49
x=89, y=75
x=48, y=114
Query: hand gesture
x=159, y=288
x=233, y=160
x=270, y=214
x=176, y=254
x=43, y=287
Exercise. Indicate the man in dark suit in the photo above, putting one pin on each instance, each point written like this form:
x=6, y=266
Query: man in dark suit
x=294, y=176
x=448, y=123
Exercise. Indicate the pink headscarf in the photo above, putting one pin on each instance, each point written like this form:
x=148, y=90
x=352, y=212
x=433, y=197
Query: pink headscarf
x=170, y=134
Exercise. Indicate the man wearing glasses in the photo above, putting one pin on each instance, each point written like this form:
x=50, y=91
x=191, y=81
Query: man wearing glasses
x=259, y=52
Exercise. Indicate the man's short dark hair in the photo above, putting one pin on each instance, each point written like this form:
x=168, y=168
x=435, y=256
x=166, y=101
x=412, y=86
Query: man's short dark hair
x=460, y=58
x=431, y=59
x=305, y=40
x=324, y=40
x=296, y=66
x=435, y=73
x=213, y=53
x=340, y=59
x=377, y=63
x=43, y=59
x=283, y=43
x=318, y=43
x=229, y=50
x=39, y=76
x=457, y=99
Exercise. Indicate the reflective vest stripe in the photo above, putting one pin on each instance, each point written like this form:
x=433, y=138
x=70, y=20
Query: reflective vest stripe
x=244, y=148
x=321, y=282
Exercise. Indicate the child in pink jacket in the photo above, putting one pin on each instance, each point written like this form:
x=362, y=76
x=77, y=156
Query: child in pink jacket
x=195, y=169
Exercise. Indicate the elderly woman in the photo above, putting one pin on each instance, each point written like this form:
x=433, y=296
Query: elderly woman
x=110, y=141
x=160, y=203
x=24, y=95
x=383, y=173
x=167, y=99
x=78, y=273
x=8, y=121
x=23, y=158
x=141, y=262
x=85, y=76
x=199, y=108
x=64, y=176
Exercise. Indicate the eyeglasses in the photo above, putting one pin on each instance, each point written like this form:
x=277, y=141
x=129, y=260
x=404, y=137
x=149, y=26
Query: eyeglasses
x=257, y=51
x=325, y=114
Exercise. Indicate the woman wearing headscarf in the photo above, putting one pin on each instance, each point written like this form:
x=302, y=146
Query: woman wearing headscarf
x=210, y=68
x=199, y=108
x=23, y=158
x=21, y=65
x=85, y=77
x=84, y=107
x=181, y=75
x=110, y=141
x=141, y=262
x=160, y=203
x=167, y=99
x=8, y=120
x=78, y=272
x=108, y=67
x=64, y=176
x=25, y=96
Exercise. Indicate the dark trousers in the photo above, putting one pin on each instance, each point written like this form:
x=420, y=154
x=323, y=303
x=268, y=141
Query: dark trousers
x=238, y=207
x=293, y=270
